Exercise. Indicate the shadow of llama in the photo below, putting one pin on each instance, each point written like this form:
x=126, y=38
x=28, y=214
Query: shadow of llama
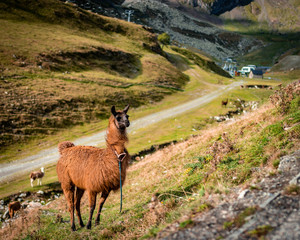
x=95, y=170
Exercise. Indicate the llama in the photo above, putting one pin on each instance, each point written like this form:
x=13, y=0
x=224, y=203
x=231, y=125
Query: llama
x=224, y=103
x=13, y=207
x=37, y=175
x=93, y=169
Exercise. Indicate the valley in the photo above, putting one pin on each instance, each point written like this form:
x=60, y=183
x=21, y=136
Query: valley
x=208, y=151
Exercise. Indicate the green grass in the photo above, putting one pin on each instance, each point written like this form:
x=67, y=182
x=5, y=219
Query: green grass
x=260, y=231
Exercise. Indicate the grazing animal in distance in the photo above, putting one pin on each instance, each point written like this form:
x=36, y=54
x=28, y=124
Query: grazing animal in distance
x=92, y=169
x=13, y=207
x=224, y=103
x=37, y=175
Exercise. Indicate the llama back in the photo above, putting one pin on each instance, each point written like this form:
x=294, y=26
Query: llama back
x=93, y=162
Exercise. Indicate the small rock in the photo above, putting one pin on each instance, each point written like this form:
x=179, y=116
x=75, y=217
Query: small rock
x=290, y=163
x=34, y=204
x=40, y=192
x=243, y=194
x=22, y=195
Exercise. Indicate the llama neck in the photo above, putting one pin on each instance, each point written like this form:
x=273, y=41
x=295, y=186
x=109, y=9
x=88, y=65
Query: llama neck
x=116, y=137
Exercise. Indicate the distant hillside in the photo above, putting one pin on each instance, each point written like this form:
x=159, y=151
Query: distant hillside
x=281, y=15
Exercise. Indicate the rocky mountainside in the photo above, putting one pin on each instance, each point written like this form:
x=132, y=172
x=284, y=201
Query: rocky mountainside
x=189, y=30
x=185, y=25
x=215, y=7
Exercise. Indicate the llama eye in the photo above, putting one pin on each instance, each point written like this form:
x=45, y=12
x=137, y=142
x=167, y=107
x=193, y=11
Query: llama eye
x=118, y=118
x=127, y=116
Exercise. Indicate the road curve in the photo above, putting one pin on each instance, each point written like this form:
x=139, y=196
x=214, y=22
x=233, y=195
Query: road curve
x=8, y=171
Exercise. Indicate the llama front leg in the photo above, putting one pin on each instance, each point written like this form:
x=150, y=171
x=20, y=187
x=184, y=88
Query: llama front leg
x=40, y=181
x=69, y=194
x=104, y=196
x=78, y=196
x=92, y=200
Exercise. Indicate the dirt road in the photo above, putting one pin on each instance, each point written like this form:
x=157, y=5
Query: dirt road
x=9, y=171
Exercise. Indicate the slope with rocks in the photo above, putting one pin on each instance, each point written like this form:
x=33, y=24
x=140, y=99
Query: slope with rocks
x=190, y=31
x=268, y=209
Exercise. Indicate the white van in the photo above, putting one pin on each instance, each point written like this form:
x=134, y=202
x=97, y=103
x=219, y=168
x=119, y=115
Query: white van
x=246, y=70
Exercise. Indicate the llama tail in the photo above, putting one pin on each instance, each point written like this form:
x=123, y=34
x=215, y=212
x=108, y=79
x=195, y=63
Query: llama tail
x=64, y=145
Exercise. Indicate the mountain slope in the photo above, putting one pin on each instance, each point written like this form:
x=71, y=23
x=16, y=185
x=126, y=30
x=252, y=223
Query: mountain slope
x=62, y=66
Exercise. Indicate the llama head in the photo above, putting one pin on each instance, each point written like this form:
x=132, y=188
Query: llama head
x=42, y=169
x=121, y=118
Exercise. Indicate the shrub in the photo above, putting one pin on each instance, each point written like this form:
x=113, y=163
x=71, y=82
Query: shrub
x=283, y=97
x=164, y=39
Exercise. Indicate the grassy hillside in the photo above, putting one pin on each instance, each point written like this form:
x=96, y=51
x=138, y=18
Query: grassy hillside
x=62, y=66
x=184, y=177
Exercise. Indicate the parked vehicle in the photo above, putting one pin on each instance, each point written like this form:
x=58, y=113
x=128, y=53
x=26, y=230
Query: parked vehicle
x=246, y=70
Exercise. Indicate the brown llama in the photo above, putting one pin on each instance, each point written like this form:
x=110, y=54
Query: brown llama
x=224, y=103
x=37, y=175
x=13, y=207
x=93, y=169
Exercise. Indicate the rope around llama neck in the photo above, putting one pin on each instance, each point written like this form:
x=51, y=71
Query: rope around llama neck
x=120, y=157
x=120, y=185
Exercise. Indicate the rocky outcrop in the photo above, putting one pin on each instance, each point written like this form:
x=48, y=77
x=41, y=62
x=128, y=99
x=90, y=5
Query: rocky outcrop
x=215, y=7
x=189, y=30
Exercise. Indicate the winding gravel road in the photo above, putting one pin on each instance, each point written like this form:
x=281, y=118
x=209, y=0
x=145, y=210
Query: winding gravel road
x=8, y=171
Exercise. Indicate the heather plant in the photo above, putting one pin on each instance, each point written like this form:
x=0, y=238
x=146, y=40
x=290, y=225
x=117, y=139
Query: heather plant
x=283, y=97
x=220, y=148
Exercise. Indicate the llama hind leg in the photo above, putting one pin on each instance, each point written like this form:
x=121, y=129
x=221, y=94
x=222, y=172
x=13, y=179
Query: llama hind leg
x=78, y=196
x=92, y=200
x=103, y=198
x=31, y=182
x=69, y=194
x=11, y=213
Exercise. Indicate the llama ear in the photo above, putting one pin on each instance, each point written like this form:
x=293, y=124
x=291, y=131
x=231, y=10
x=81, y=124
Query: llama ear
x=113, y=111
x=126, y=108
